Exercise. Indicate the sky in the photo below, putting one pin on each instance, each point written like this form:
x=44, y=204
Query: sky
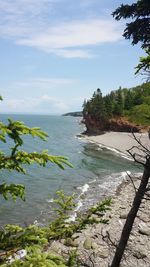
x=56, y=53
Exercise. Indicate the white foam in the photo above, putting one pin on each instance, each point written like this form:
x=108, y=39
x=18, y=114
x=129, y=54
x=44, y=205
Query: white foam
x=51, y=200
x=123, y=155
x=124, y=174
x=93, y=181
x=79, y=205
x=84, y=188
x=112, y=182
x=99, y=148
x=73, y=216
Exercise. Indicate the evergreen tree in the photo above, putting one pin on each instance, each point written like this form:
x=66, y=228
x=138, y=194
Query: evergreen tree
x=98, y=106
x=119, y=105
x=128, y=103
x=108, y=105
x=138, y=30
x=137, y=99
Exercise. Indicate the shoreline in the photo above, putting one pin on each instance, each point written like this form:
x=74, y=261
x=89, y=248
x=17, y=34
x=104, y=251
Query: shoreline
x=96, y=241
x=95, y=244
x=118, y=142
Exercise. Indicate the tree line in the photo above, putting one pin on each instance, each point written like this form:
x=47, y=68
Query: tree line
x=133, y=103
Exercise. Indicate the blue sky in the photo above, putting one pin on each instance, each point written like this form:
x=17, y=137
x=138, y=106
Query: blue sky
x=55, y=53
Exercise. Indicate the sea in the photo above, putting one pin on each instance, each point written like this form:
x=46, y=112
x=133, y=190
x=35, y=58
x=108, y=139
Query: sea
x=95, y=174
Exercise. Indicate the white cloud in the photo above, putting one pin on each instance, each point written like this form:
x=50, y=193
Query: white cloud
x=39, y=84
x=65, y=39
x=38, y=95
x=22, y=7
x=40, y=105
x=73, y=53
x=28, y=23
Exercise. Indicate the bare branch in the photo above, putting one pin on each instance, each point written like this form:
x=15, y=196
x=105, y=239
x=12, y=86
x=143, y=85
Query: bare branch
x=132, y=181
x=134, y=157
x=140, y=143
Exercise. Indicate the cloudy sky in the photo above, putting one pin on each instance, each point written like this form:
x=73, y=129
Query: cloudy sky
x=55, y=53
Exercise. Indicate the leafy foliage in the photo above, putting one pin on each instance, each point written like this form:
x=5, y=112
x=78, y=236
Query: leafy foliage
x=144, y=65
x=16, y=159
x=142, y=114
x=73, y=260
x=36, y=257
x=34, y=239
x=102, y=206
x=26, y=246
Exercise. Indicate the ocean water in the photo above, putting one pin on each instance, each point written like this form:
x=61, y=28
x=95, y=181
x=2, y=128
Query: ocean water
x=96, y=173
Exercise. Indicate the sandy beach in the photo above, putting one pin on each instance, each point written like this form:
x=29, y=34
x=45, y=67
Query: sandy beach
x=120, y=141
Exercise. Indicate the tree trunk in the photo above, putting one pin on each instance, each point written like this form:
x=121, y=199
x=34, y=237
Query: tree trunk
x=131, y=216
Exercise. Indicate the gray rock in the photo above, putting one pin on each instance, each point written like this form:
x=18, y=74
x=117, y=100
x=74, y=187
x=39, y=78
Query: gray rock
x=56, y=248
x=102, y=253
x=144, y=218
x=144, y=230
x=123, y=215
x=140, y=254
x=94, y=245
x=87, y=243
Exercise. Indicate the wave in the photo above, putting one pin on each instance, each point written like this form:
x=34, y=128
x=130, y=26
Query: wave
x=101, y=147
x=123, y=155
x=95, y=191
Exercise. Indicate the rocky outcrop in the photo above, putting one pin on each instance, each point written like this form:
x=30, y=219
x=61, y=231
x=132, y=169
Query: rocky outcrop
x=117, y=124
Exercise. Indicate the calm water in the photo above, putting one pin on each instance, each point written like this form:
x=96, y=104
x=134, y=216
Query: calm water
x=96, y=172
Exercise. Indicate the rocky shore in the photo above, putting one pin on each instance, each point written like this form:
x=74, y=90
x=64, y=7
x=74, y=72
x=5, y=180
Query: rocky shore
x=95, y=245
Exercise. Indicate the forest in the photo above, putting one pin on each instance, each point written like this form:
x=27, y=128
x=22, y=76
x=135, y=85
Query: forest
x=133, y=104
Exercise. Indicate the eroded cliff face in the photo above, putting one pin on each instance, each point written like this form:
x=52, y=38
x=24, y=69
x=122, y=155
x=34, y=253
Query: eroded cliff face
x=117, y=124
